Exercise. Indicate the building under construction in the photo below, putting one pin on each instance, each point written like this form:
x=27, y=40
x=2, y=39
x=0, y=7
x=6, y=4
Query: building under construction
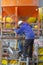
x=11, y=11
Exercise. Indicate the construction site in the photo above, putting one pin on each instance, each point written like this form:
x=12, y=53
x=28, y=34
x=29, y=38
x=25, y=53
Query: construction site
x=18, y=20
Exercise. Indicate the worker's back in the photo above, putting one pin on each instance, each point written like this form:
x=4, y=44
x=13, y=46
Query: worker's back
x=27, y=30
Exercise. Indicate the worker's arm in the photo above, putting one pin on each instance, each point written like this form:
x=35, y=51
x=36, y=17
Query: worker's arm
x=20, y=30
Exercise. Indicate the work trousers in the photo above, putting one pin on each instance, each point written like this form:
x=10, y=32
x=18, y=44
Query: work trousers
x=28, y=45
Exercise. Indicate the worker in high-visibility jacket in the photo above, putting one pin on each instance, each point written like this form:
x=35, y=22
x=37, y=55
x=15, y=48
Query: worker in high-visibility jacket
x=26, y=29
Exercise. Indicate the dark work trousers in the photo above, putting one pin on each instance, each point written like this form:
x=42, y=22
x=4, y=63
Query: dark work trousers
x=28, y=45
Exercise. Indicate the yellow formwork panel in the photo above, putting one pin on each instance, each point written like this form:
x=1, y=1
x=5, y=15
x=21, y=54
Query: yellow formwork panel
x=40, y=51
x=40, y=64
x=22, y=63
x=13, y=62
x=40, y=58
x=4, y=62
x=8, y=25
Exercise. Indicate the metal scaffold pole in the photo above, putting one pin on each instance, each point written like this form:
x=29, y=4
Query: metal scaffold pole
x=42, y=22
x=0, y=40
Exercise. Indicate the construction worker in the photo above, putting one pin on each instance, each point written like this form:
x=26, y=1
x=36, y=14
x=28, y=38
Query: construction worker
x=26, y=29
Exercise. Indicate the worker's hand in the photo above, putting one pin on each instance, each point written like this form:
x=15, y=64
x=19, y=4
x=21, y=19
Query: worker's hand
x=14, y=32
